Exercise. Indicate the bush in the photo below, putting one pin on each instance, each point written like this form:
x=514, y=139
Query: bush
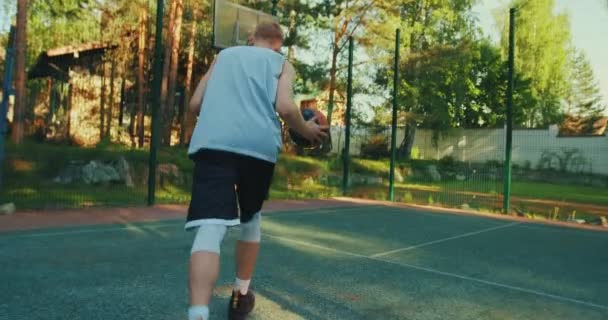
x=447, y=162
x=415, y=153
x=375, y=147
x=493, y=164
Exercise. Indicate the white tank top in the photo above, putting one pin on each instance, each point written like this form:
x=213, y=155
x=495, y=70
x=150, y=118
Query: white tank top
x=238, y=111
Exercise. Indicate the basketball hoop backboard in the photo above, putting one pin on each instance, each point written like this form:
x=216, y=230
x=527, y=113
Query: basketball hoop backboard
x=233, y=23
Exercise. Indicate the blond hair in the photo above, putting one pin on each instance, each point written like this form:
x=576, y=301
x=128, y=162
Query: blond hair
x=268, y=31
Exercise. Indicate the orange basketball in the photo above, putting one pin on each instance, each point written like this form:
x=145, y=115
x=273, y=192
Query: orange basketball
x=308, y=114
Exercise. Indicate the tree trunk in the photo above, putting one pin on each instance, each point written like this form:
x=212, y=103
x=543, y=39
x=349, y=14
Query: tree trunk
x=332, y=82
x=121, y=111
x=405, y=149
x=165, y=123
x=187, y=84
x=102, y=103
x=141, y=82
x=68, y=109
x=132, y=126
x=175, y=44
x=332, y=91
x=292, y=30
x=49, y=116
x=20, y=76
x=111, y=99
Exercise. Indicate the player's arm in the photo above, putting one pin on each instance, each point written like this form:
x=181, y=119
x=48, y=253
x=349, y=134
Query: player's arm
x=289, y=111
x=197, y=98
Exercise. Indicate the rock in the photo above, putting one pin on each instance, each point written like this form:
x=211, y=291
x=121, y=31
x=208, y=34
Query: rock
x=70, y=174
x=168, y=172
x=354, y=179
x=8, y=208
x=604, y=222
x=465, y=206
x=433, y=173
x=374, y=180
x=579, y=221
x=323, y=179
x=461, y=177
x=308, y=181
x=124, y=172
x=96, y=172
x=408, y=197
x=398, y=176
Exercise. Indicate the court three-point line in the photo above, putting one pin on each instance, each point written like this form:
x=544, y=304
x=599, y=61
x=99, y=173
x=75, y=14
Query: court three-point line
x=460, y=236
x=446, y=274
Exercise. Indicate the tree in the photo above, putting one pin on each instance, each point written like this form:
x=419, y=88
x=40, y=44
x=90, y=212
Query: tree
x=585, y=98
x=541, y=54
x=173, y=65
x=348, y=16
x=142, y=37
x=20, y=76
x=56, y=23
x=438, y=70
x=164, y=91
x=184, y=114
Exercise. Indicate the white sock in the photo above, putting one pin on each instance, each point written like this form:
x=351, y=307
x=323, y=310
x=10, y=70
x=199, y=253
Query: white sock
x=241, y=285
x=198, y=313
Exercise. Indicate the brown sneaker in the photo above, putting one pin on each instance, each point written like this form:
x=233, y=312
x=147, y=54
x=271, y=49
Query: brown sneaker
x=240, y=305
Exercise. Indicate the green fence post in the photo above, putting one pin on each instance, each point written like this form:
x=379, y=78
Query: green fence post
x=156, y=84
x=7, y=89
x=274, y=7
x=349, y=105
x=391, y=188
x=509, y=133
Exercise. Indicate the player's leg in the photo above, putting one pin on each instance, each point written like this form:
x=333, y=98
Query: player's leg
x=204, y=269
x=213, y=207
x=254, y=181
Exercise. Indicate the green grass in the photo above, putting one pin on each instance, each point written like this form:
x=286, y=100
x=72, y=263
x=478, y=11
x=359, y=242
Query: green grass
x=31, y=167
x=534, y=190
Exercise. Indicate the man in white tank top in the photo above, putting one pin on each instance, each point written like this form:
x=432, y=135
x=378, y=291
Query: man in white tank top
x=234, y=146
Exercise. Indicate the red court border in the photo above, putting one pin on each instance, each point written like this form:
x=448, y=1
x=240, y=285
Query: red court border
x=31, y=220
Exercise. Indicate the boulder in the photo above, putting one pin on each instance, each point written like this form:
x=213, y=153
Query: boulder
x=96, y=172
x=169, y=172
x=399, y=176
x=124, y=172
x=433, y=173
x=374, y=180
x=308, y=181
x=7, y=208
x=70, y=174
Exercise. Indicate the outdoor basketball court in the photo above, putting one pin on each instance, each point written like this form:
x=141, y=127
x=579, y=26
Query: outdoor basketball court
x=354, y=262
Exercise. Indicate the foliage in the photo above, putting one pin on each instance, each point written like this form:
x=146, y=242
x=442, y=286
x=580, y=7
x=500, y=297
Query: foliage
x=55, y=23
x=460, y=87
x=376, y=147
x=542, y=52
x=585, y=98
x=571, y=160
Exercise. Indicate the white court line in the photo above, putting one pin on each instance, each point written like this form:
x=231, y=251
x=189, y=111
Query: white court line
x=449, y=274
x=172, y=222
x=281, y=214
x=127, y=227
x=460, y=236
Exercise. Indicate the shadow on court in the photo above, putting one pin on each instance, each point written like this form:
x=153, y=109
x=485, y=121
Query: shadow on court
x=368, y=262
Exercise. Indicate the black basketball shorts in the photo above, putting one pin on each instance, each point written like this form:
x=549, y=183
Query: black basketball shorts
x=227, y=188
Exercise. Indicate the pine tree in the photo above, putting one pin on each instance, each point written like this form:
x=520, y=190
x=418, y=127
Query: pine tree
x=585, y=100
x=20, y=76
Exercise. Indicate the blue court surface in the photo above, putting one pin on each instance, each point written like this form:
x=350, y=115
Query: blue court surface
x=364, y=262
